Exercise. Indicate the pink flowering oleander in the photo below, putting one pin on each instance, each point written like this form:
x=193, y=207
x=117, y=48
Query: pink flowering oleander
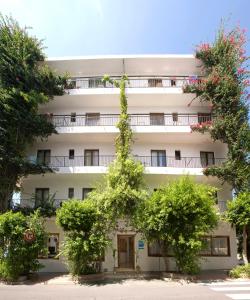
x=241, y=71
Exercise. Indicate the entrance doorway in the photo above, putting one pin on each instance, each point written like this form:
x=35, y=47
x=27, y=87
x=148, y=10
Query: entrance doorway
x=126, y=251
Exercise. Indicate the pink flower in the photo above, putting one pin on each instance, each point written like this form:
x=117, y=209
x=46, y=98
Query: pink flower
x=204, y=47
x=241, y=71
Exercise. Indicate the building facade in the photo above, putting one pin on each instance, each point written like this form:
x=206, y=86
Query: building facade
x=160, y=117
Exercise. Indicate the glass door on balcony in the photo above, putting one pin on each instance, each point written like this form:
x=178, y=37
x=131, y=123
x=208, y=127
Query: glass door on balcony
x=207, y=158
x=158, y=158
x=204, y=117
x=91, y=157
x=157, y=119
x=41, y=196
x=43, y=157
x=92, y=119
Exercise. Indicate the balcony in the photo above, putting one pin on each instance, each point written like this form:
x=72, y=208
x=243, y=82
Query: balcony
x=152, y=119
x=152, y=164
x=134, y=82
x=221, y=205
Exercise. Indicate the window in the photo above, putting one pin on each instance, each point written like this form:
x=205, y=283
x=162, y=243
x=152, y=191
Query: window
x=43, y=157
x=173, y=82
x=158, y=158
x=175, y=118
x=71, y=153
x=73, y=117
x=92, y=119
x=52, y=244
x=216, y=197
x=216, y=246
x=71, y=193
x=204, y=117
x=155, y=82
x=156, y=248
x=157, y=119
x=177, y=155
x=41, y=196
x=206, y=246
x=207, y=158
x=96, y=82
x=85, y=192
x=91, y=157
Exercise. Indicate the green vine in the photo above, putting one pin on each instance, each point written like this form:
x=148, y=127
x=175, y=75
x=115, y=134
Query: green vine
x=123, y=188
x=224, y=87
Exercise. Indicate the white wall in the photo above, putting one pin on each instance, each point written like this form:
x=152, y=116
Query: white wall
x=142, y=260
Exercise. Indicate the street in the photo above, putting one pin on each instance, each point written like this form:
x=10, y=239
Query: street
x=127, y=290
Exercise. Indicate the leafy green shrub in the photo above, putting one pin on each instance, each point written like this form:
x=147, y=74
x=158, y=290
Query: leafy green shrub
x=18, y=256
x=240, y=271
x=179, y=214
x=85, y=239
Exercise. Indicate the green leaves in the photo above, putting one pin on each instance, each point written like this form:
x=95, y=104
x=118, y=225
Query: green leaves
x=25, y=84
x=17, y=256
x=224, y=87
x=86, y=235
x=238, y=212
x=180, y=213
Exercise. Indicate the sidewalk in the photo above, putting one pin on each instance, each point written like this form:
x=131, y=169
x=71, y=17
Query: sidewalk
x=67, y=279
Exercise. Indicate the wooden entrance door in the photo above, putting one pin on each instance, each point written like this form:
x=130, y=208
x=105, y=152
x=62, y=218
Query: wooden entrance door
x=126, y=251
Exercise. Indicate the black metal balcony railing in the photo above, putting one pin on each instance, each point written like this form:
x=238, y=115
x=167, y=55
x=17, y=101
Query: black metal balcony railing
x=135, y=120
x=147, y=161
x=222, y=204
x=134, y=82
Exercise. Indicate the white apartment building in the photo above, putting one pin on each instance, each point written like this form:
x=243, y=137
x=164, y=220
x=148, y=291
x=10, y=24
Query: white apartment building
x=160, y=117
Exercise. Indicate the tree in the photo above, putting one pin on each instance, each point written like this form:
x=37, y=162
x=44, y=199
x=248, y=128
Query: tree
x=25, y=84
x=238, y=214
x=18, y=256
x=85, y=239
x=179, y=214
x=122, y=190
x=223, y=85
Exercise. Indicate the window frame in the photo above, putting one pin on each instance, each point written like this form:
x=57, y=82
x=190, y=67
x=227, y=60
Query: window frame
x=71, y=189
x=158, y=158
x=73, y=117
x=92, y=156
x=177, y=154
x=57, y=245
x=207, y=116
x=175, y=117
x=89, y=190
x=71, y=153
x=44, y=153
x=211, y=254
x=155, y=118
x=207, y=164
x=96, y=117
x=42, y=200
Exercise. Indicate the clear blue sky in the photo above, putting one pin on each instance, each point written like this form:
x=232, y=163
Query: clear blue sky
x=92, y=27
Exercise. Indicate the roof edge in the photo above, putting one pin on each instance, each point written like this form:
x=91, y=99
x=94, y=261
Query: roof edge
x=93, y=57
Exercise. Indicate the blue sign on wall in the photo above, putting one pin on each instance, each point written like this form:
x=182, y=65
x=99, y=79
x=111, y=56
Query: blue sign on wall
x=140, y=244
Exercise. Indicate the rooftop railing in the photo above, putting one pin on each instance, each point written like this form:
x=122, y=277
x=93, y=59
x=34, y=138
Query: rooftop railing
x=134, y=82
x=135, y=119
x=147, y=161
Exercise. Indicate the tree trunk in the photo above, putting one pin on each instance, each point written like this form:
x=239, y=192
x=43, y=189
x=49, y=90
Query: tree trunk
x=6, y=193
x=244, y=245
